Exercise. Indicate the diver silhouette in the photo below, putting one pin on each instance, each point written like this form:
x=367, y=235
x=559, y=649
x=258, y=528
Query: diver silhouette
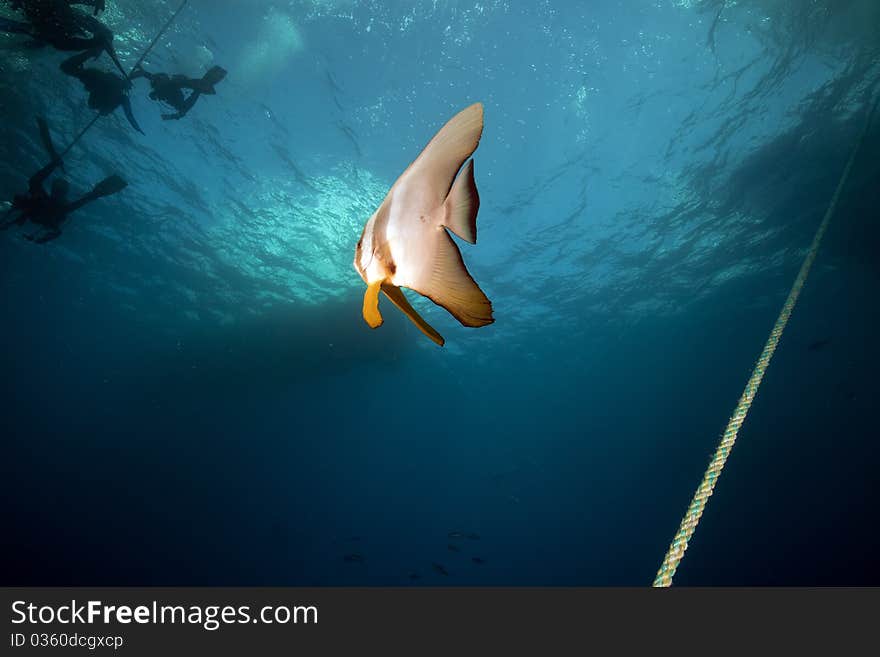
x=58, y=24
x=50, y=210
x=99, y=5
x=107, y=91
x=169, y=88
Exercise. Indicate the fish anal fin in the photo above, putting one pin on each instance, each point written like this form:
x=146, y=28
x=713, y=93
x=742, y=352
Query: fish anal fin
x=372, y=316
x=462, y=204
x=398, y=299
x=445, y=281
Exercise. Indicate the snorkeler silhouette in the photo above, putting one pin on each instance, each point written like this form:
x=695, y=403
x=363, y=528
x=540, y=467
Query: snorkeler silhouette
x=99, y=5
x=169, y=88
x=56, y=23
x=50, y=210
x=107, y=91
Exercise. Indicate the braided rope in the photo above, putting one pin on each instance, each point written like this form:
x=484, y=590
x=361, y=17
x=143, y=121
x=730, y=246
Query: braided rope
x=157, y=37
x=698, y=504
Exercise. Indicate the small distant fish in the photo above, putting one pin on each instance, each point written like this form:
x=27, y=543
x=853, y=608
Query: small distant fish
x=845, y=391
x=438, y=568
x=456, y=534
x=473, y=536
x=354, y=557
x=414, y=576
x=818, y=345
x=453, y=548
x=478, y=561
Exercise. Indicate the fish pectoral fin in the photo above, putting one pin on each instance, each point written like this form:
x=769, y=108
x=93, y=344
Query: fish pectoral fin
x=398, y=299
x=372, y=316
x=462, y=205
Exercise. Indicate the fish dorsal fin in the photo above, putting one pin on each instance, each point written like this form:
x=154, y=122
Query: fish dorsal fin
x=443, y=278
x=455, y=142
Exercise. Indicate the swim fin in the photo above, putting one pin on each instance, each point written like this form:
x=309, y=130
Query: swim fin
x=108, y=186
x=209, y=79
x=126, y=107
x=111, y=51
x=47, y=142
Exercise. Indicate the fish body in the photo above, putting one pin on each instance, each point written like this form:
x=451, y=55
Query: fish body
x=405, y=242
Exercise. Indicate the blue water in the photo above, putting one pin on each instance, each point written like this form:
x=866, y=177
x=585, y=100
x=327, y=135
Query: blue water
x=190, y=394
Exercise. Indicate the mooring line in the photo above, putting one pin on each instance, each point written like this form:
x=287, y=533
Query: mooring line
x=698, y=504
x=157, y=37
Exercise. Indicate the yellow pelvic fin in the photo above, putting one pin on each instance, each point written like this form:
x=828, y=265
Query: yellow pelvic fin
x=398, y=299
x=371, y=305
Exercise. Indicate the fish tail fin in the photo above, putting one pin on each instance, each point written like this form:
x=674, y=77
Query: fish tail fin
x=398, y=299
x=462, y=204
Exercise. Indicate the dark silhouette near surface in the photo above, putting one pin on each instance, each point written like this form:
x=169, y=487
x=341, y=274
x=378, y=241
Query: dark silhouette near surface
x=98, y=5
x=169, y=88
x=50, y=210
x=107, y=91
x=56, y=23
